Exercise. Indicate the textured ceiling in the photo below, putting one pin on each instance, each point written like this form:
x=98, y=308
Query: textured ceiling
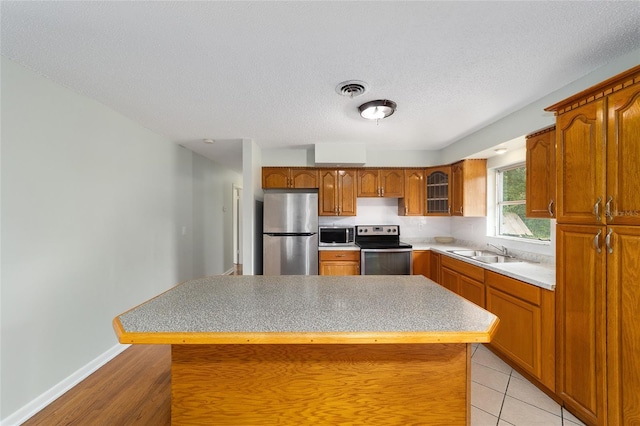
x=268, y=70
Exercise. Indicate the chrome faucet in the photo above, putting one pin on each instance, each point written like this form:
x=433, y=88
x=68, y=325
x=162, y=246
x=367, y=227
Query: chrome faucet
x=502, y=249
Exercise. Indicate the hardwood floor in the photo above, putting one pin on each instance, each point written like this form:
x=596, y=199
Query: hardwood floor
x=132, y=389
x=237, y=269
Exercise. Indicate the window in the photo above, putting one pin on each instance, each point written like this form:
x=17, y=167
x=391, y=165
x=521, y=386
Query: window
x=511, y=197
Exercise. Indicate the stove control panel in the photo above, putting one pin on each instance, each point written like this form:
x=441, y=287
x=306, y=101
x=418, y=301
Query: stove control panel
x=378, y=230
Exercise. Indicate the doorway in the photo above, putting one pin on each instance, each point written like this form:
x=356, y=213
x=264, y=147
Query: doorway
x=237, y=228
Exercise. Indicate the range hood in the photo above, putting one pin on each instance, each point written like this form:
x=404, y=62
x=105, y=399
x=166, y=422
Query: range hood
x=340, y=154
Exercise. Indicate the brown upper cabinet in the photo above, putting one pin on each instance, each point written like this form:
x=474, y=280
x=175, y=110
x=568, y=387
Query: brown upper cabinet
x=598, y=154
x=289, y=177
x=459, y=189
x=412, y=204
x=337, y=194
x=541, y=174
x=373, y=182
x=469, y=188
x=438, y=190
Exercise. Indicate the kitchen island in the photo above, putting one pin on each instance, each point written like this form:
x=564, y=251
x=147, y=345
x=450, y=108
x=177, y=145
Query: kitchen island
x=263, y=350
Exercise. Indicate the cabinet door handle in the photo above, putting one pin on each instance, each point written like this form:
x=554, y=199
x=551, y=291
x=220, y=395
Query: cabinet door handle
x=460, y=209
x=607, y=209
x=607, y=241
x=596, y=209
x=340, y=255
x=549, y=208
x=382, y=191
x=406, y=210
x=449, y=210
x=596, y=242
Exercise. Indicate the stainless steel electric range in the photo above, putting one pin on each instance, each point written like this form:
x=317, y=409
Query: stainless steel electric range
x=382, y=252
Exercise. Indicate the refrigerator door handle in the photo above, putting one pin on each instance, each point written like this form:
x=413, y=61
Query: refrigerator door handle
x=289, y=234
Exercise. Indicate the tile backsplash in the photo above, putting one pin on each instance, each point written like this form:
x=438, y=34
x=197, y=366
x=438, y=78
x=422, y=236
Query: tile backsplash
x=470, y=230
x=384, y=211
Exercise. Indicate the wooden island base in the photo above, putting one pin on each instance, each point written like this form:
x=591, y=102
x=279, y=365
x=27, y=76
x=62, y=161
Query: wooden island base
x=296, y=384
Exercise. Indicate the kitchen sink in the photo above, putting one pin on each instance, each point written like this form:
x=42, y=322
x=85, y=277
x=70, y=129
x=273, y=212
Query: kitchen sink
x=495, y=259
x=471, y=253
x=485, y=256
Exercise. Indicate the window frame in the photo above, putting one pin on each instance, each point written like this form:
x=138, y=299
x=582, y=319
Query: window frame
x=499, y=198
x=500, y=203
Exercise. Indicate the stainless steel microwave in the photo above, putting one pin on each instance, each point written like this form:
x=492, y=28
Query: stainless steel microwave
x=336, y=235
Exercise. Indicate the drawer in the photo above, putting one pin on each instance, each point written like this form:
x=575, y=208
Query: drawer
x=347, y=255
x=464, y=268
x=527, y=292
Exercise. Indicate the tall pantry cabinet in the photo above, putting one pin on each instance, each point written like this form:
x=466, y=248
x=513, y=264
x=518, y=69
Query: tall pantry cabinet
x=598, y=251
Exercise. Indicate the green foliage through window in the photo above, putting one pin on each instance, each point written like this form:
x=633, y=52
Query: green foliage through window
x=511, y=196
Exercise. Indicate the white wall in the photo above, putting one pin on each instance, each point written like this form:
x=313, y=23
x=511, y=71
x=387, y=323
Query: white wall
x=533, y=116
x=287, y=157
x=252, y=197
x=374, y=158
x=98, y=215
x=212, y=217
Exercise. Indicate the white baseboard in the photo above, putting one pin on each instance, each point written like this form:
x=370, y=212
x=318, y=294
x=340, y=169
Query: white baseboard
x=229, y=272
x=32, y=408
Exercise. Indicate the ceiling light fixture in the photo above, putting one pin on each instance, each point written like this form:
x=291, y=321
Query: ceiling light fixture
x=500, y=151
x=375, y=110
x=210, y=141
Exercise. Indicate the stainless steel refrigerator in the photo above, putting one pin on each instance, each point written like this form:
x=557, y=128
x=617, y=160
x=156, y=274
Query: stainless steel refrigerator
x=290, y=233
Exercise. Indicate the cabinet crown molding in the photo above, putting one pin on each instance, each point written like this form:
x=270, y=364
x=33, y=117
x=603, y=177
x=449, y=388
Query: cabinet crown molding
x=621, y=81
x=541, y=131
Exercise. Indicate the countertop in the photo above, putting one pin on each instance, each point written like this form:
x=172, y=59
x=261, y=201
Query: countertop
x=306, y=309
x=339, y=247
x=539, y=274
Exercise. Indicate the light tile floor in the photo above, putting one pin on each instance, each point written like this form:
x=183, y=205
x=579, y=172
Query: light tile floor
x=500, y=396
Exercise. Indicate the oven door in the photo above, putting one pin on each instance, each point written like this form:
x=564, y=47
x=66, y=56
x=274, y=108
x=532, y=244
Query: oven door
x=386, y=261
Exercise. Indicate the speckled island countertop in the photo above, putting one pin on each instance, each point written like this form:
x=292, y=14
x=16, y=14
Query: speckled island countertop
x=306, y=309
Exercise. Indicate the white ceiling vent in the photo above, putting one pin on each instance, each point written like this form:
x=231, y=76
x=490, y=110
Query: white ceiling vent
x=352, y=88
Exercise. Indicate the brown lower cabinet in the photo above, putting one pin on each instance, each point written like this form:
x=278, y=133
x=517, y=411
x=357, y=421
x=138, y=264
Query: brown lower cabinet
x=623, y=332
x=427, y=263
x=434, y=259
x=463, y=278
x=526, y=334
x=339, y=262
x=581, y=321
x=421, y=262
x=598, y=336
